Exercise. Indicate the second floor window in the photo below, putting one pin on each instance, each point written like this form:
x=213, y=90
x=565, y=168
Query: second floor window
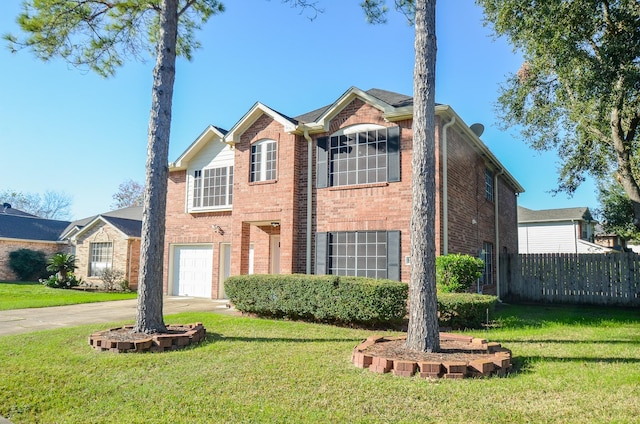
x=213, y=187
x=358, y=158
x=488, y=184
x=263, y=161
x=368, y=154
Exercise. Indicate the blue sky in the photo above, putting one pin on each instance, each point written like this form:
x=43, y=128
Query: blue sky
x=70, y=130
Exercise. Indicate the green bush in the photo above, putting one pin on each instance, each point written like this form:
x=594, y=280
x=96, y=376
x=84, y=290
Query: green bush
x=457, y=273
x=326, y=298
x=465, y=310
x=56, y=282
x=28, y=264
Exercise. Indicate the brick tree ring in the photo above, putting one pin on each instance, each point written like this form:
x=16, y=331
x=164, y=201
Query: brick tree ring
x=459, y=357
x=123, y=339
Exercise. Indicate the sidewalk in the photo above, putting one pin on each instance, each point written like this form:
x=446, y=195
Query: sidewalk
x=19, y=321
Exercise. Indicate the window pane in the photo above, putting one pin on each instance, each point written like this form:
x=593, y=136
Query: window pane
x=361, y=156
x=100, y=257
x=361, y=253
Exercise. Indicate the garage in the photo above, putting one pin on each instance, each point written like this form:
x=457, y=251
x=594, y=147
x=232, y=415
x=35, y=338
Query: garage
x=192, y=270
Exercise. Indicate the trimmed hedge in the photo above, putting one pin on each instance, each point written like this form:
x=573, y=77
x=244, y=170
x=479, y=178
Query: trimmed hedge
x=28, y=264
x=320, y=298
x=465, y=310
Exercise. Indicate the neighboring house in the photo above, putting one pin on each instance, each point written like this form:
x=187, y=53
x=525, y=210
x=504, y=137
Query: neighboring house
x=21, y=230
x=329, y=192
x=109, y=240
x=568, y=230
x=609, y=240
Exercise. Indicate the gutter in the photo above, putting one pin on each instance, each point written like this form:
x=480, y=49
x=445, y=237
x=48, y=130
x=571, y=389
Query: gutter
x=496, y=215
x=309, y=197
x=445, y=188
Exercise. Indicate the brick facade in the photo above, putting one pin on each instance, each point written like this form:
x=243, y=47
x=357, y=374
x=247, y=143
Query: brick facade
x=263, y=210
x=126, y=253
x=8, y=246
x=182, y=228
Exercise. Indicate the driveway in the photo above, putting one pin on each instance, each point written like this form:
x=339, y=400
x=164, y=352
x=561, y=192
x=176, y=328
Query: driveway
x=19, y=321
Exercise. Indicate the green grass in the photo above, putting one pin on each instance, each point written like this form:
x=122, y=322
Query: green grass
x=20, y=295
x=572, y=365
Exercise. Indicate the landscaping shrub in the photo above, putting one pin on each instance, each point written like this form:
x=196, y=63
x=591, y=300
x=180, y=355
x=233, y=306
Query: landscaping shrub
x=113, y=279
x=28, y=264
x=54, y=281
x=326, y=298
x=63, y=265
x=464, y=310
x=457, y=273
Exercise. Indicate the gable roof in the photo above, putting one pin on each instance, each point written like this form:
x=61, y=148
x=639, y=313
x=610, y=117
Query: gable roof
x=394, y=107
x=8, y=210
x=31, y=228
x=128, y=227
x=132, y=213
x=554, y=215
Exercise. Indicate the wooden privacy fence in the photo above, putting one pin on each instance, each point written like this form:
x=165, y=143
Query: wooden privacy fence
x=612, y=279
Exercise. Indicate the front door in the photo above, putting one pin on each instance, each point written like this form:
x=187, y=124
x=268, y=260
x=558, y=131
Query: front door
x=275, y=254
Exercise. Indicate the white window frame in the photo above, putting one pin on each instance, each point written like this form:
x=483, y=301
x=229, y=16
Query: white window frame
x=100, y=258
x=201, y=193
x=264, y=161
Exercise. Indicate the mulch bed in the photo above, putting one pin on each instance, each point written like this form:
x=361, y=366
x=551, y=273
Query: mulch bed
x=459, y=357
x=124, y=339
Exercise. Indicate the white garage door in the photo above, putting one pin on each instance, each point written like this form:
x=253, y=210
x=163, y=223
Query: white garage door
x=192, y=268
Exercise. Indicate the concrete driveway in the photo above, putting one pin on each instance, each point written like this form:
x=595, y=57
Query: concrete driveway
x=19, y=321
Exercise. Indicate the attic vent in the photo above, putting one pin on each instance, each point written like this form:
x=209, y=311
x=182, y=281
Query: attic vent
x=6, y=206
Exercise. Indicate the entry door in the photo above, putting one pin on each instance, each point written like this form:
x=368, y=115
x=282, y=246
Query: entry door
x=192, y=270
x=275, y=254
x=225, y=268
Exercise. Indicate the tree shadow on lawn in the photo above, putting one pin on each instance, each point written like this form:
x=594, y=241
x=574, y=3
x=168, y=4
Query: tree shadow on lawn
x=568, y=341
x=216, y=337
x=526, y=364
x=21, y=283
x=522, y=316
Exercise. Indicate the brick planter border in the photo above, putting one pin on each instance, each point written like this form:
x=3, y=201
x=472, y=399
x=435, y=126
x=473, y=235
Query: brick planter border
x=178, y=336
x=498, y=363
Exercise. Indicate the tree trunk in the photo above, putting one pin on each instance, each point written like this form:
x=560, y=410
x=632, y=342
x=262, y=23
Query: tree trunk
x=626, y=176
x=149, y=317
x=423, y=332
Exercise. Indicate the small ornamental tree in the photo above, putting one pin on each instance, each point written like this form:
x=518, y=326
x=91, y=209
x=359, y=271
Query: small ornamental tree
x=457, y=273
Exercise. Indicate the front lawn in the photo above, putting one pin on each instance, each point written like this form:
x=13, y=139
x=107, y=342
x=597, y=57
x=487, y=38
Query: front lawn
x=572, y=365
x=20, y=295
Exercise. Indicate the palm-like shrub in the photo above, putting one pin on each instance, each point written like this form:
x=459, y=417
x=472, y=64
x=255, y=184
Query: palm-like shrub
x=62, y=264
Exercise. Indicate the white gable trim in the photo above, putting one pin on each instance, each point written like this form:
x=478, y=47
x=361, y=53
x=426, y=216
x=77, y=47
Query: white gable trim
x=211, y=133
x=104, y=221
x=258, y=109
x=351, y=94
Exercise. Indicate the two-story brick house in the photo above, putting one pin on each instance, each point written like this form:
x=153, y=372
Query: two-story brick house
x=329, y=192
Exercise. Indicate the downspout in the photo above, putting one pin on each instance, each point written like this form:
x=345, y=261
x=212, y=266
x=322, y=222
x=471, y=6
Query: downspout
x=309, y=197
x=445, y=188
x=496, y=213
